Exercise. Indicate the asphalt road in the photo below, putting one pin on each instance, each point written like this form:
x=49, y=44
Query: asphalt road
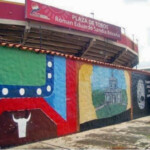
x=134, y=134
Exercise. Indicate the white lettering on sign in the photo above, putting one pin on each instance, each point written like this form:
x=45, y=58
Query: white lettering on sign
x=60, y=20
x=148, y=88
x=101, y=25
x=80, y=19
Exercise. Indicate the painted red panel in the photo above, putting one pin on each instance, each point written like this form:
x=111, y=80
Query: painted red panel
x=12, y=11
x=29, y=103
x=72, y=104
x=40, y=12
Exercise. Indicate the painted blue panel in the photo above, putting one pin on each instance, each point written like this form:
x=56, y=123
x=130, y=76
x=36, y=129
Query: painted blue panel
x=58, y=98
x=100, y=77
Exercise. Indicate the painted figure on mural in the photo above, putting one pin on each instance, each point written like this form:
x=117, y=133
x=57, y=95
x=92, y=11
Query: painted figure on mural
x=109, y=91
x=113, y=94
x=22, y=125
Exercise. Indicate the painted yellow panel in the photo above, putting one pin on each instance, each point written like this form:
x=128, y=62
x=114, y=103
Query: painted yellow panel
x=128, y=90
x=86, y=108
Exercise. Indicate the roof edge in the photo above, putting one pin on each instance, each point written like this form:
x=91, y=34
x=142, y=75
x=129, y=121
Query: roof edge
x=46, y=51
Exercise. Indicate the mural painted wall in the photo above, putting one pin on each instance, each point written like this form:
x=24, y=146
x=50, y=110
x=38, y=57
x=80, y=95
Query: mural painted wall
x=103, y=92
x=37, y=96
x=140, y=95
x=44, y=96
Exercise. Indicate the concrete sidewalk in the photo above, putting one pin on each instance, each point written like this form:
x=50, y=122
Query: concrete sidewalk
x=134, y=134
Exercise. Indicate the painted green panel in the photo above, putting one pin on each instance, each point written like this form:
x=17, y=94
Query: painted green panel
x=21, y=67
x=110, y=110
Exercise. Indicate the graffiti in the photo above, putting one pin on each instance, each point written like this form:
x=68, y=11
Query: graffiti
x=22, y=125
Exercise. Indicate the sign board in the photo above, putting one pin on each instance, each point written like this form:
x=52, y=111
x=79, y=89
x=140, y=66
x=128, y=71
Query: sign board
x=48, y=14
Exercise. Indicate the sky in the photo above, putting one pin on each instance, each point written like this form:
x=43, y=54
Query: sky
x=101, y=76
x=133, y=15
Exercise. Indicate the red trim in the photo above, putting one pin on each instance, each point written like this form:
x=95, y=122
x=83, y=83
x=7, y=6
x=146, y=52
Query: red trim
x=12, y=11
x=128, y=42
x=71, y=57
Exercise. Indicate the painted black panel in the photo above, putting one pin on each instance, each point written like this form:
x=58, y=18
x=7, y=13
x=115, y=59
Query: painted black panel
x=140, y=95
x=125, y=116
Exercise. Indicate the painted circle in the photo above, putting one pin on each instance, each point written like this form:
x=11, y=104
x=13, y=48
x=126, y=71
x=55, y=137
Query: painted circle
x=39, y=91
x=49, y=75
x=141, y=94
x=49, y=64
x=22, y=91
x=48, y=88
x=4, y=91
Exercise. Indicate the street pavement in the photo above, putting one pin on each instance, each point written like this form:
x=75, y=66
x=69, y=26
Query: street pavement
x=134, y=134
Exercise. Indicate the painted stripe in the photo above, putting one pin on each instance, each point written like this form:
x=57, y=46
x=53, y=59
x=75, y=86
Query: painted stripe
x=128, y=89
x=58, y=98
x=72, y=104
x=87, y=110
